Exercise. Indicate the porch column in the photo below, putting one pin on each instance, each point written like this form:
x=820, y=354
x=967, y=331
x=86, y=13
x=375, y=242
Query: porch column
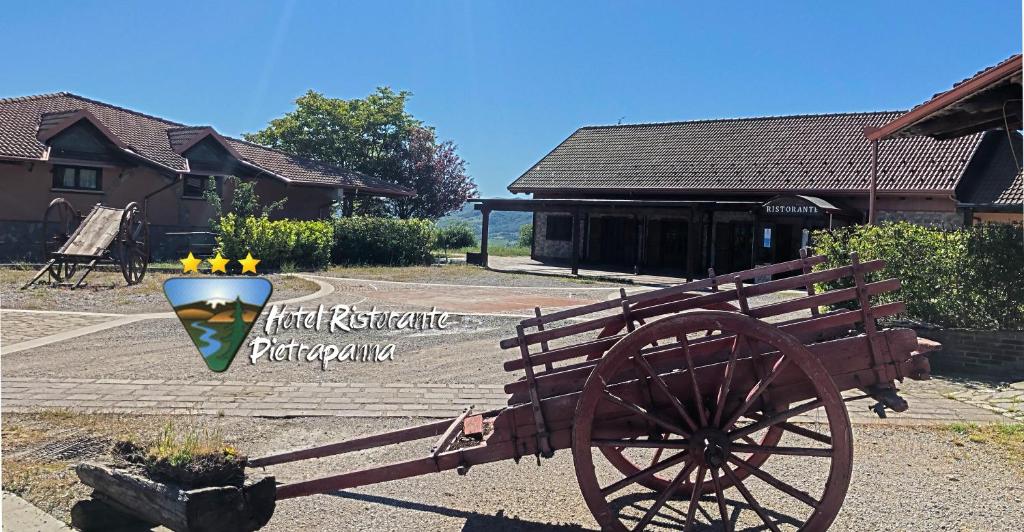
x=575, y=261
x=692, y=236
x=485, y=226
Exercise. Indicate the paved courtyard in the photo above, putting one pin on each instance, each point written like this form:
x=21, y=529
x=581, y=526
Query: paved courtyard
x=144, y=362
x=140, y=365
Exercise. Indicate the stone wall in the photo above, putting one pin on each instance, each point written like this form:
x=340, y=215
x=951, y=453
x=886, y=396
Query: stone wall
x=929, y=218
x=998, y=354
x=549, y=249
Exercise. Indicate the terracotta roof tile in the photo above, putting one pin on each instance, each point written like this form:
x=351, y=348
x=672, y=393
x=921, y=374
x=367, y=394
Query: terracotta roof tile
x=770, y=154
x=151, y=137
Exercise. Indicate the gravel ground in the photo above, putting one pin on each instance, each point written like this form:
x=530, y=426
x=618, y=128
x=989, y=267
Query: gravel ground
x=107, y=292
x=904, y=479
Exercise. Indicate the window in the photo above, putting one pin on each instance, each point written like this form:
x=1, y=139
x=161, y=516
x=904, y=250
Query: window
x=559, y=227
x=77, y=178
x=195, y=185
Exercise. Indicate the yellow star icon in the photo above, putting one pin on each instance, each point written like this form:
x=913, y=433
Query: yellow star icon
x=190, y=264
x=218, y=264
x=249, y=263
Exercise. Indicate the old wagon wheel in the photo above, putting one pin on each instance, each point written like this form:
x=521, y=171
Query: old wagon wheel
x=133, y=244
x=59, y=222
x=702, y=408
x=630, y=462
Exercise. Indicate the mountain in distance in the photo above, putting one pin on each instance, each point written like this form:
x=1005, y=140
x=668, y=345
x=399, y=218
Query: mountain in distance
x=216, y=311
x=504, y=226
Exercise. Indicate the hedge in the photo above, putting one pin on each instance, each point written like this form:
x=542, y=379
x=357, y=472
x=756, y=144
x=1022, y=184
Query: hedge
x=968, y=278
x=277, y=243
x=385, y=241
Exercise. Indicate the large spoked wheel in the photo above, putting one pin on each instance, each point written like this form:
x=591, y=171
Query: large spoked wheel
x=133, y=244
x=59, y=222
x=700, y=415
x=630, y=462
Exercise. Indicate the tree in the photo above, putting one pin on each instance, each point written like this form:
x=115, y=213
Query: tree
x=378, y=137
x=526, y=236
x=244, y=201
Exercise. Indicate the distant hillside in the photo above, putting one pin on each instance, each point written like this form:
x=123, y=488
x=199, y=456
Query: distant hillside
x=504, y=225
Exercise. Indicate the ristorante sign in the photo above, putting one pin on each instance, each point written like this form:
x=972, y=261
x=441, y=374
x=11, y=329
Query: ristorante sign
x=790, y=206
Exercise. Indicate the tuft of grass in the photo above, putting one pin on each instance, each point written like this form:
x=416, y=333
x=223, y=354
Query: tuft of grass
x=1009, y=437
x=180, y=446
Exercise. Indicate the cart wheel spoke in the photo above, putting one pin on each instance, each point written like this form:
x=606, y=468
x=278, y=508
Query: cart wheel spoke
x=824, y=452
x=698, y=402
x=660, y=383
x=776, y=418
x=720, y=497
x=730, y=368
x=657, y=455
x=758, y=509
x=805, y=432
x=755, y=393
x=645, y=413
x=660, y=501
x=675, y=459
x=695, y=497
x=797, y=494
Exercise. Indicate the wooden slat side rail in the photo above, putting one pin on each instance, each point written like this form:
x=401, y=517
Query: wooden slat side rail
x=693, y=286
x=546, y=385
x=600, y=345
x=797, y=281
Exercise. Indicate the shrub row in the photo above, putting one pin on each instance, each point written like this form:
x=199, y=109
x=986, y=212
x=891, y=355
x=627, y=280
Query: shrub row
x=317, y=243
x=277, y=243
x=968, y=278
x=387, y=241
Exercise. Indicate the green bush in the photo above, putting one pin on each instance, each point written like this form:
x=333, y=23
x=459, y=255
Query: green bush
x=968, y=278
x=526, y=236
x=385, y=241
x=454, y=236
x=296, y=243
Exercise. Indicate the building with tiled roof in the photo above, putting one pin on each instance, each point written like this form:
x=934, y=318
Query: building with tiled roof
x=88, y=152
x=733, y=193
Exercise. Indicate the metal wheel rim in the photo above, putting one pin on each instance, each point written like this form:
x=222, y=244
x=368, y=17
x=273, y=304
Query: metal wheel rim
x=828, y=396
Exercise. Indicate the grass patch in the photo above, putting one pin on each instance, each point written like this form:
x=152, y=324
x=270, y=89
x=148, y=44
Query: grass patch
x=495, y=250
x=1008, y=437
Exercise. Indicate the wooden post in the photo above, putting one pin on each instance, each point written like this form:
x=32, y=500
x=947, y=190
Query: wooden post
x=873, y=183
x=575, y=261
x=692, y=235
x=484, y=227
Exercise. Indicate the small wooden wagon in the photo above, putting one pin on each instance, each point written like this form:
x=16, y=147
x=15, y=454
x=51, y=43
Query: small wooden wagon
x=105, y=235
x=713, y=393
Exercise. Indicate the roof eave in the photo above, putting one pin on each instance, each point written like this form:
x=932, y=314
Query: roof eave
x=946, y=99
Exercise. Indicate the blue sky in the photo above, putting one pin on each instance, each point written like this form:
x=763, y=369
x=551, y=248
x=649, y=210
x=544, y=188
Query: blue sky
x=505, y=80
x=183, y=290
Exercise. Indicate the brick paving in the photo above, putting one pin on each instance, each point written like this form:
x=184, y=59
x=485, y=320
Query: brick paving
x=233, y=398
x=20, y=326
x=929, y=403
x=1006, y=400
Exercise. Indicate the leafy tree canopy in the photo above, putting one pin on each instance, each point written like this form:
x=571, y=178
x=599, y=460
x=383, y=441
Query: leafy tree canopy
x=378, y=137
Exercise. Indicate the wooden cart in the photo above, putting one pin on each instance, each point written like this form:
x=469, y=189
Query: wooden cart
x=678, y=404
x=106, y=235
